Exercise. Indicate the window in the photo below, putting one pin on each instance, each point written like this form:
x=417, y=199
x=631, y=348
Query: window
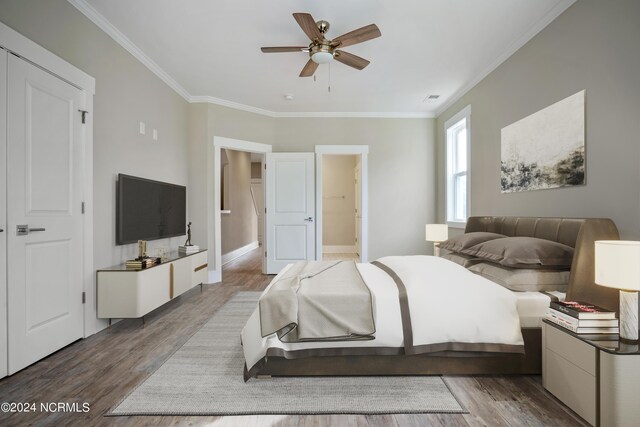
x=458, y=133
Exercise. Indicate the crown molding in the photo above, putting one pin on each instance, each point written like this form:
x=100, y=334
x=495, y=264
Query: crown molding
x=310, y=114
x=103, y=23
x=231, y=104
x=359, y=114
x=549, y=17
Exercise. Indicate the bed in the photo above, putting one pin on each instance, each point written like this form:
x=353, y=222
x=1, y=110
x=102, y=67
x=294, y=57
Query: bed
x=386, y=354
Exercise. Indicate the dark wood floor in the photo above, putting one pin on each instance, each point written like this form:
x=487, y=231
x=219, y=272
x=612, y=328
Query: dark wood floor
x=103, y=368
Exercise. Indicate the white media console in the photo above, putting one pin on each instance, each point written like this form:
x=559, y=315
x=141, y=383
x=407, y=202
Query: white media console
x=124, y=293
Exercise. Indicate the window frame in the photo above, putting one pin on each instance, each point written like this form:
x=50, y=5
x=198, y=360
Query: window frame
x=450, y=176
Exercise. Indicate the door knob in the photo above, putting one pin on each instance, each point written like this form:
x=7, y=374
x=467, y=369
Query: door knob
x=310, y=219
x=1, y=230
x=23, y=229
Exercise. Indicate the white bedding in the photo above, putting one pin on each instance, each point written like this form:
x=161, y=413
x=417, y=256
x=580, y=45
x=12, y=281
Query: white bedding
x=532, y=306
x=442, y=298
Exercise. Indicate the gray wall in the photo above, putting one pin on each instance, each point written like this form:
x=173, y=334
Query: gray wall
x=126, y=93
x=338, y=200
x=593, y=45
x=401, y=173
x=240, y=226
x=401, y=159
x=401, y=167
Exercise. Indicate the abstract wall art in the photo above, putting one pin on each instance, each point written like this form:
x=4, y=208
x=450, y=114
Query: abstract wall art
x=546, y=149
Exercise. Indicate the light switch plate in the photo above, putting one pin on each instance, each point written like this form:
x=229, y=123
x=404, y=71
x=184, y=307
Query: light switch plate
x=143, y=128
x=155, y=134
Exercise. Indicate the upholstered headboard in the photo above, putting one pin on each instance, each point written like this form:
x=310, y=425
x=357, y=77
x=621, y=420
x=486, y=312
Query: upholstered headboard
x=579, y=233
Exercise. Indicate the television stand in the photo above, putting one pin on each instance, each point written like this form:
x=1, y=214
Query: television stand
x=130, y=294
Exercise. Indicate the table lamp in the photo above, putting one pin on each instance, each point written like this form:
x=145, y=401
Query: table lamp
x=436, y=233
x=618, y=266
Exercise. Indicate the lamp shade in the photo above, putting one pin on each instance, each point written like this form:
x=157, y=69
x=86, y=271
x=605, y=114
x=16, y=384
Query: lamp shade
x=618, y=264
x=436, y=232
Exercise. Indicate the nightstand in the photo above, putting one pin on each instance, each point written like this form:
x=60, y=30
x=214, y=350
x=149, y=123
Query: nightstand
x=597, y=376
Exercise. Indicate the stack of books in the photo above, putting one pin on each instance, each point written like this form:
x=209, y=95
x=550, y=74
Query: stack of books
x=138, y=264
x=188, y=249
x=583, y=318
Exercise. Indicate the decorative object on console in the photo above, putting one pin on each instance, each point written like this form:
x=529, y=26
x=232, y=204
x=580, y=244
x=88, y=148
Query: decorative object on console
x=618, y=266
x=141, y=263
x=436, y=233
x=545, y=149
x=188, y=242
x=188, y=248
x=142, y=249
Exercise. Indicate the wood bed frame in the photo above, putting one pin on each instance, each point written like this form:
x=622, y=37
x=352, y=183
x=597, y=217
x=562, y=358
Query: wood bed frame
x=579, y=233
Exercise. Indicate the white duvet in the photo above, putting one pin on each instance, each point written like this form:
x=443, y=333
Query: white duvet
x=450, y=308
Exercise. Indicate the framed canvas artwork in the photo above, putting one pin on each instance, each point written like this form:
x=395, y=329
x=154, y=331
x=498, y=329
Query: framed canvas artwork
x=546, y=149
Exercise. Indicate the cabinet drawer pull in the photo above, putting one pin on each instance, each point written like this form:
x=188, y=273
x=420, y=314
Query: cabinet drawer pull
x=201, y=267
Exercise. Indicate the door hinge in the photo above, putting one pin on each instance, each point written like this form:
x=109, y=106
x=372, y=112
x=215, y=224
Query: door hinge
x=265, y=165
x=82, y=207
x=265, y=210
x=84, y=114
x=265, y=254
x=84, y=297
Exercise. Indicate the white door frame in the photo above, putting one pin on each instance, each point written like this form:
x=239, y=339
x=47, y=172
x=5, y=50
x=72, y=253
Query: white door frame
x=362, y=151
x=213, y=197
x=15, y=42
x=4, y=331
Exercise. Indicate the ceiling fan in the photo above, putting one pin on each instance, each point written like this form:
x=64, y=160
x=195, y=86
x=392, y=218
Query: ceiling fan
x=322, y=50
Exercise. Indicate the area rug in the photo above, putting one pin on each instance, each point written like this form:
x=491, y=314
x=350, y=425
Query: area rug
x=204, y=377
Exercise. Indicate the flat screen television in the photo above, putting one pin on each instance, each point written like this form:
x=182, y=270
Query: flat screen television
x=149, y=210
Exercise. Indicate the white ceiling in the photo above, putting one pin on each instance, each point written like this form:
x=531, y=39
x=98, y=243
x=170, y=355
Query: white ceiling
x=210, y=50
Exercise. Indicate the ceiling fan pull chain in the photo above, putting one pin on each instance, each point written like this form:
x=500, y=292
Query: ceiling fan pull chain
x=329, y=87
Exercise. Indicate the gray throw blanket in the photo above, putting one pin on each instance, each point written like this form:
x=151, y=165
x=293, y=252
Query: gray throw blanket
x=318, y=301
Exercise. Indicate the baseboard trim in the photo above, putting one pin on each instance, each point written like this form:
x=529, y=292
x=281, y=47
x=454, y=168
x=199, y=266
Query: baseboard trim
x=333, y=249
x=230, y=256
x=214, y=276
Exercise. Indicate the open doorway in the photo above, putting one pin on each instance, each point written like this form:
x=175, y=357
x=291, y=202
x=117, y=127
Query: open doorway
x=241, y=203
x=341, y=202
x=340, y=210
x=214, y=200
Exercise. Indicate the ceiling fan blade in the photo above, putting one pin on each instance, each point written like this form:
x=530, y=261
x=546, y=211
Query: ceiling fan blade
x=350, y=59
x=308, y=25
x=357, y=36
x=284, y=49
x=309, y=68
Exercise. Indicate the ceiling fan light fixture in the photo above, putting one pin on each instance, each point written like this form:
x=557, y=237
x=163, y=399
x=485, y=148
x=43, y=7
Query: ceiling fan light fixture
x=321, y=57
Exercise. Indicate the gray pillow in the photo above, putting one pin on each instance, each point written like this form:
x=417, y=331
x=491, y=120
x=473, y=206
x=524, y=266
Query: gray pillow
x=467, y=240
x=520, y=279
x=524, y=252
x=462, y=259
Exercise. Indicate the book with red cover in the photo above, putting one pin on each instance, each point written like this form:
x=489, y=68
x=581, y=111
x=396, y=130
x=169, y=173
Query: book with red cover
x=582, y=310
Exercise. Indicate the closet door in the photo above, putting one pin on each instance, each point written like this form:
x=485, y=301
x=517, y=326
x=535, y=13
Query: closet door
x=3, y=213
x=44, y=193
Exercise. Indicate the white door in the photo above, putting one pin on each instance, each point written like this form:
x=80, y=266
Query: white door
x=3, y=213
x=44, y=194
x=290, y=202
x=358, y=210
x=257, y=194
